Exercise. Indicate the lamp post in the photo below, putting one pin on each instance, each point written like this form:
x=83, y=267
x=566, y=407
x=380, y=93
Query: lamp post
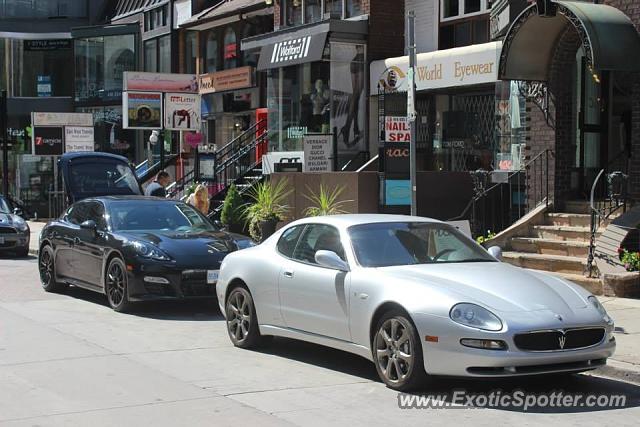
x=411, y=107
x=5, y=143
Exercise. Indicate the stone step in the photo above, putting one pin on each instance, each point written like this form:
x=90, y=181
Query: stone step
x=591, y=284
x=560, y=232
x=577, y=207
x=568, y=219
x=550, y=263
x=550, y=246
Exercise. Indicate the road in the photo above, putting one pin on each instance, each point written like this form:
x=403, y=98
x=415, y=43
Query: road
x=69, y=360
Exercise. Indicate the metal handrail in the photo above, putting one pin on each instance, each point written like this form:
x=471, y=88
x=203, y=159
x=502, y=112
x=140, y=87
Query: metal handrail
x=358, y=155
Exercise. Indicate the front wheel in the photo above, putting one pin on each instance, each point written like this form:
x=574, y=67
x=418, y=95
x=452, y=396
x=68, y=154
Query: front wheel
x=47, y=270
x=242, y=322
x=397, y=352
x=116, y=285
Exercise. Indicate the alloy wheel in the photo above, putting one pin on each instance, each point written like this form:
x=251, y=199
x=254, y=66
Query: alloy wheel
x=239, y=316
x=116, y=284
x=394, y=352
x=46, y=268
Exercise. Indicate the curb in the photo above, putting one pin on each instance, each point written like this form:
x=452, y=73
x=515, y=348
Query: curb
x=618, y=370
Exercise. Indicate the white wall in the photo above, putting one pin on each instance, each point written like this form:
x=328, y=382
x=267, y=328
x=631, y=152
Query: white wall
x=426, y=23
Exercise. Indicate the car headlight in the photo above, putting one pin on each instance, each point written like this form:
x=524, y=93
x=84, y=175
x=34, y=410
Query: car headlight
x=475, y=316
x=244, y=244
x=19, y=223
x=149, y=251
x=596, y=304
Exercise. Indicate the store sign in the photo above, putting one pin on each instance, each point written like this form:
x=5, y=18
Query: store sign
x=182, y=111
x=396, y=129
x=160, y=82
x=469, y=65
x=282, y=161
x=79, y=138
x=236, y=78
x=48, y=141
x=396, y=158
x=298, y=49
x=47, y=45
x=143, y=110
x=318, y=153
x=61, y=119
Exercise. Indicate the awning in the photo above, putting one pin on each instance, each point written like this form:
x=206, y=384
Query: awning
x=298, y=48
x=609, y=38
x=460, y=66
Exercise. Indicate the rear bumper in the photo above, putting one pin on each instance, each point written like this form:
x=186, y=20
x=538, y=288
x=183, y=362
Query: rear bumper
x=161, y=282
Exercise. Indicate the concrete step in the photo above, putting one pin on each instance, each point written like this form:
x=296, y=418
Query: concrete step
x=577, y=207
x=568, y=219
x=550, y=246
x=591, y=284
x=550, y=263
x=560, y=232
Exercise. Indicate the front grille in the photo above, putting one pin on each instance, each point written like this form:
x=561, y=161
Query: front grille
x=194, y=284
x=158, y=289
x=7, y=244
x=8, y=230
x=569, y=339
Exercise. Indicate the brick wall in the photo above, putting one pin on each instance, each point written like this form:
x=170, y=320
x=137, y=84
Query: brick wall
x=386, y=28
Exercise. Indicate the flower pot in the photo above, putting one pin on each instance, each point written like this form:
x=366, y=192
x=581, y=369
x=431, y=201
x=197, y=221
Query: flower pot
x=236, y=228
x=267, y=228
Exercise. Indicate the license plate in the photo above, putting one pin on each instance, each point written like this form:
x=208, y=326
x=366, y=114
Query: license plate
x=1, y=240
x=212, y=276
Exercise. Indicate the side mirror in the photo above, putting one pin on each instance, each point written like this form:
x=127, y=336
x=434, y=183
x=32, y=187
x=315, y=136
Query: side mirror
x=496, y=252
x=331, y=260
x=89, y=225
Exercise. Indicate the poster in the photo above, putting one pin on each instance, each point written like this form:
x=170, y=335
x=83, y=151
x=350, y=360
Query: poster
x=78, y=138
x=48, y=141
x=318, y=153
x=396, y=129
x=182, y=111
x=143, y=110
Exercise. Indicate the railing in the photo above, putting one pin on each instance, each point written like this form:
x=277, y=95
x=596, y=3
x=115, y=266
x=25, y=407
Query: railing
x=145, y=173
x=176, y=189
x=492, y=209
x=57, y=203
x=355, y=162
x=604, y=201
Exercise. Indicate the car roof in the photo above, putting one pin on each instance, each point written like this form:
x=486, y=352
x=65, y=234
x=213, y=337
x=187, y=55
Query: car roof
x=348, y=220
x=125, y=198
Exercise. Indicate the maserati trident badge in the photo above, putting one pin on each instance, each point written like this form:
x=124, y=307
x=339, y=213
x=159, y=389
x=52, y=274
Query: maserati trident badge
x=561, y=340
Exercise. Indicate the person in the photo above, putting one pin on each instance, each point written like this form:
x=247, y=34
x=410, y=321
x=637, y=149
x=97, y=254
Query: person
x=158, y=186
x=199, y=199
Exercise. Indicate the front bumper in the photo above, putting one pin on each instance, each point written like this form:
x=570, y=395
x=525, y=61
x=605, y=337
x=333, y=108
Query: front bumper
x=182, y=282
x=12, y=242
x=450, y=358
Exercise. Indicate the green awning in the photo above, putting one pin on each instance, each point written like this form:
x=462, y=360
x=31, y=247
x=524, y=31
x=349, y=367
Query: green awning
x=608, y=36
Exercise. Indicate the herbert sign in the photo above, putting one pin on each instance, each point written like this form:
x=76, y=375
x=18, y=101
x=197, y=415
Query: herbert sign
x=318, y=153
x=396, y=129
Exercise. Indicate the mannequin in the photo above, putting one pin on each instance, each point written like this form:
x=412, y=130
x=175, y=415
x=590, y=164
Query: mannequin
x=321, y=107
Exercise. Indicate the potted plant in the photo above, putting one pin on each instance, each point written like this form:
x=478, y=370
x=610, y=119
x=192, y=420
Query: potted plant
x=231, y=214
x=325, y=202
x=267, y=208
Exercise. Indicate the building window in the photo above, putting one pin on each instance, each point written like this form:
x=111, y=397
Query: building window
x=333, y=8
x=250, y=57
x=312, y=11
x=211, y=53
x=456, y=9
x=354, y=8
x=151, y=55
x=464, y=32
x=191, y=52
x=43, y=9
x=230, y=49
x=291, y=12
x=164, y=54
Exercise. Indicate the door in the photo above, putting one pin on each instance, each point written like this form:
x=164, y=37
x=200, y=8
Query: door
x=314, y=298
x=89, y=246
x=63, y=237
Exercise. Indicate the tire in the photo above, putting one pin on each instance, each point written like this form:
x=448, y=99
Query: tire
x=242, y=322
x=397, y=352
x=116, y=285
x=47, y=270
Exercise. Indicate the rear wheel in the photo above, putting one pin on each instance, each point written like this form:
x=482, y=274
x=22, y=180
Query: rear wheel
x=116, y=285
x=242, y=323
x=397, y=352
x=47, y=270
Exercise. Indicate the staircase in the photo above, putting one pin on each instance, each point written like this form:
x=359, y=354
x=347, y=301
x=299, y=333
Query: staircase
x=559, y=245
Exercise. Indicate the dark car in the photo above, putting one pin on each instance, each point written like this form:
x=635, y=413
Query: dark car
x=14, y=230
x=134, y=248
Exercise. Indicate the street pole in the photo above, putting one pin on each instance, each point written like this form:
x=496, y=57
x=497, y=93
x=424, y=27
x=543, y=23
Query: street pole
x=5, y=143
x=411, y=107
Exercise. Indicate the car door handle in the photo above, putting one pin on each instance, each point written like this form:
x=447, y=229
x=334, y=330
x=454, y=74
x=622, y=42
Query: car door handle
x=288, y=274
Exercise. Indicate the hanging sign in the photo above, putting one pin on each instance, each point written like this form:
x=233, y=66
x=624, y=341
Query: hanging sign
x=143, y=110
x=182, y=111
x=78, y=138
x=396, y=129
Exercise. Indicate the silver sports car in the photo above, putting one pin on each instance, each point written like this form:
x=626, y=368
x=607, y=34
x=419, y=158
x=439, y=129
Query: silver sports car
x=413, y=295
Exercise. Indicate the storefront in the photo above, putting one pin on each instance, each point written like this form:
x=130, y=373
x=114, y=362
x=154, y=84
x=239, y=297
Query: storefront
x=316, y=84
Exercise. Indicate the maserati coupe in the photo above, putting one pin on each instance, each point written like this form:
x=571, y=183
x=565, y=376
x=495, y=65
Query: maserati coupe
x=413, y=295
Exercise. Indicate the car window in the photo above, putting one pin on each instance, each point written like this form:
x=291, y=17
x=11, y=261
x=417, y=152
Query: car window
x=4, y=206
x=315, y=238
x=157, y=215
x=287, y=243
x=95, y=212
x=78, y=213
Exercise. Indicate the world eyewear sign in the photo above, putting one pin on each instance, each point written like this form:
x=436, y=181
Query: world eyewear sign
x=295, y=50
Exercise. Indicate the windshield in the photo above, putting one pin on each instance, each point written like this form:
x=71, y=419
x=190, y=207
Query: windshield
x=4, y=206
x=411, y=243
x=157, y=215
x=103, y=177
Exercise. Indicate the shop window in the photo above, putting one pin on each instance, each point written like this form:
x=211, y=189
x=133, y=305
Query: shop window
x=333, y=8
x=211, y=54
x=230, y=49
x=312, y=11
x=191, y=55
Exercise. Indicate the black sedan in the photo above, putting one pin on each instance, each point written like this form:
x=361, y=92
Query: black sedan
x=14, y=230
x=134, y=248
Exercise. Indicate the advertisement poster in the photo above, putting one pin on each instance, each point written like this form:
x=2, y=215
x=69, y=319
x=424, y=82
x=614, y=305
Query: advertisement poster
x=77, y=138
x=318, y=153
x=396, y=129
x=160, y=82
x=48, y=141
x=143, y=110
x=182, y=111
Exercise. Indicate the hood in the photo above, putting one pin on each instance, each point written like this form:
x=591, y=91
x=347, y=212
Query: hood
x=496, y=285
x=6, y=220
x=192, y=250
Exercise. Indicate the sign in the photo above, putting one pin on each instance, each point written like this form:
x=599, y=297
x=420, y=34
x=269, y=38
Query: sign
x=461, y=66
x=77, y=138
x=397, y=192
x=318, y=153
x=182, y=111
x=143, y=110
x=48, y=141
x=193, y=139
x=396, y=129
x=236, y=78
x=61, y=119
x=298, y=49
x=270, y=160
x=44, y=85
x=160, y=82
x=396, y=158
x=47, y=45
